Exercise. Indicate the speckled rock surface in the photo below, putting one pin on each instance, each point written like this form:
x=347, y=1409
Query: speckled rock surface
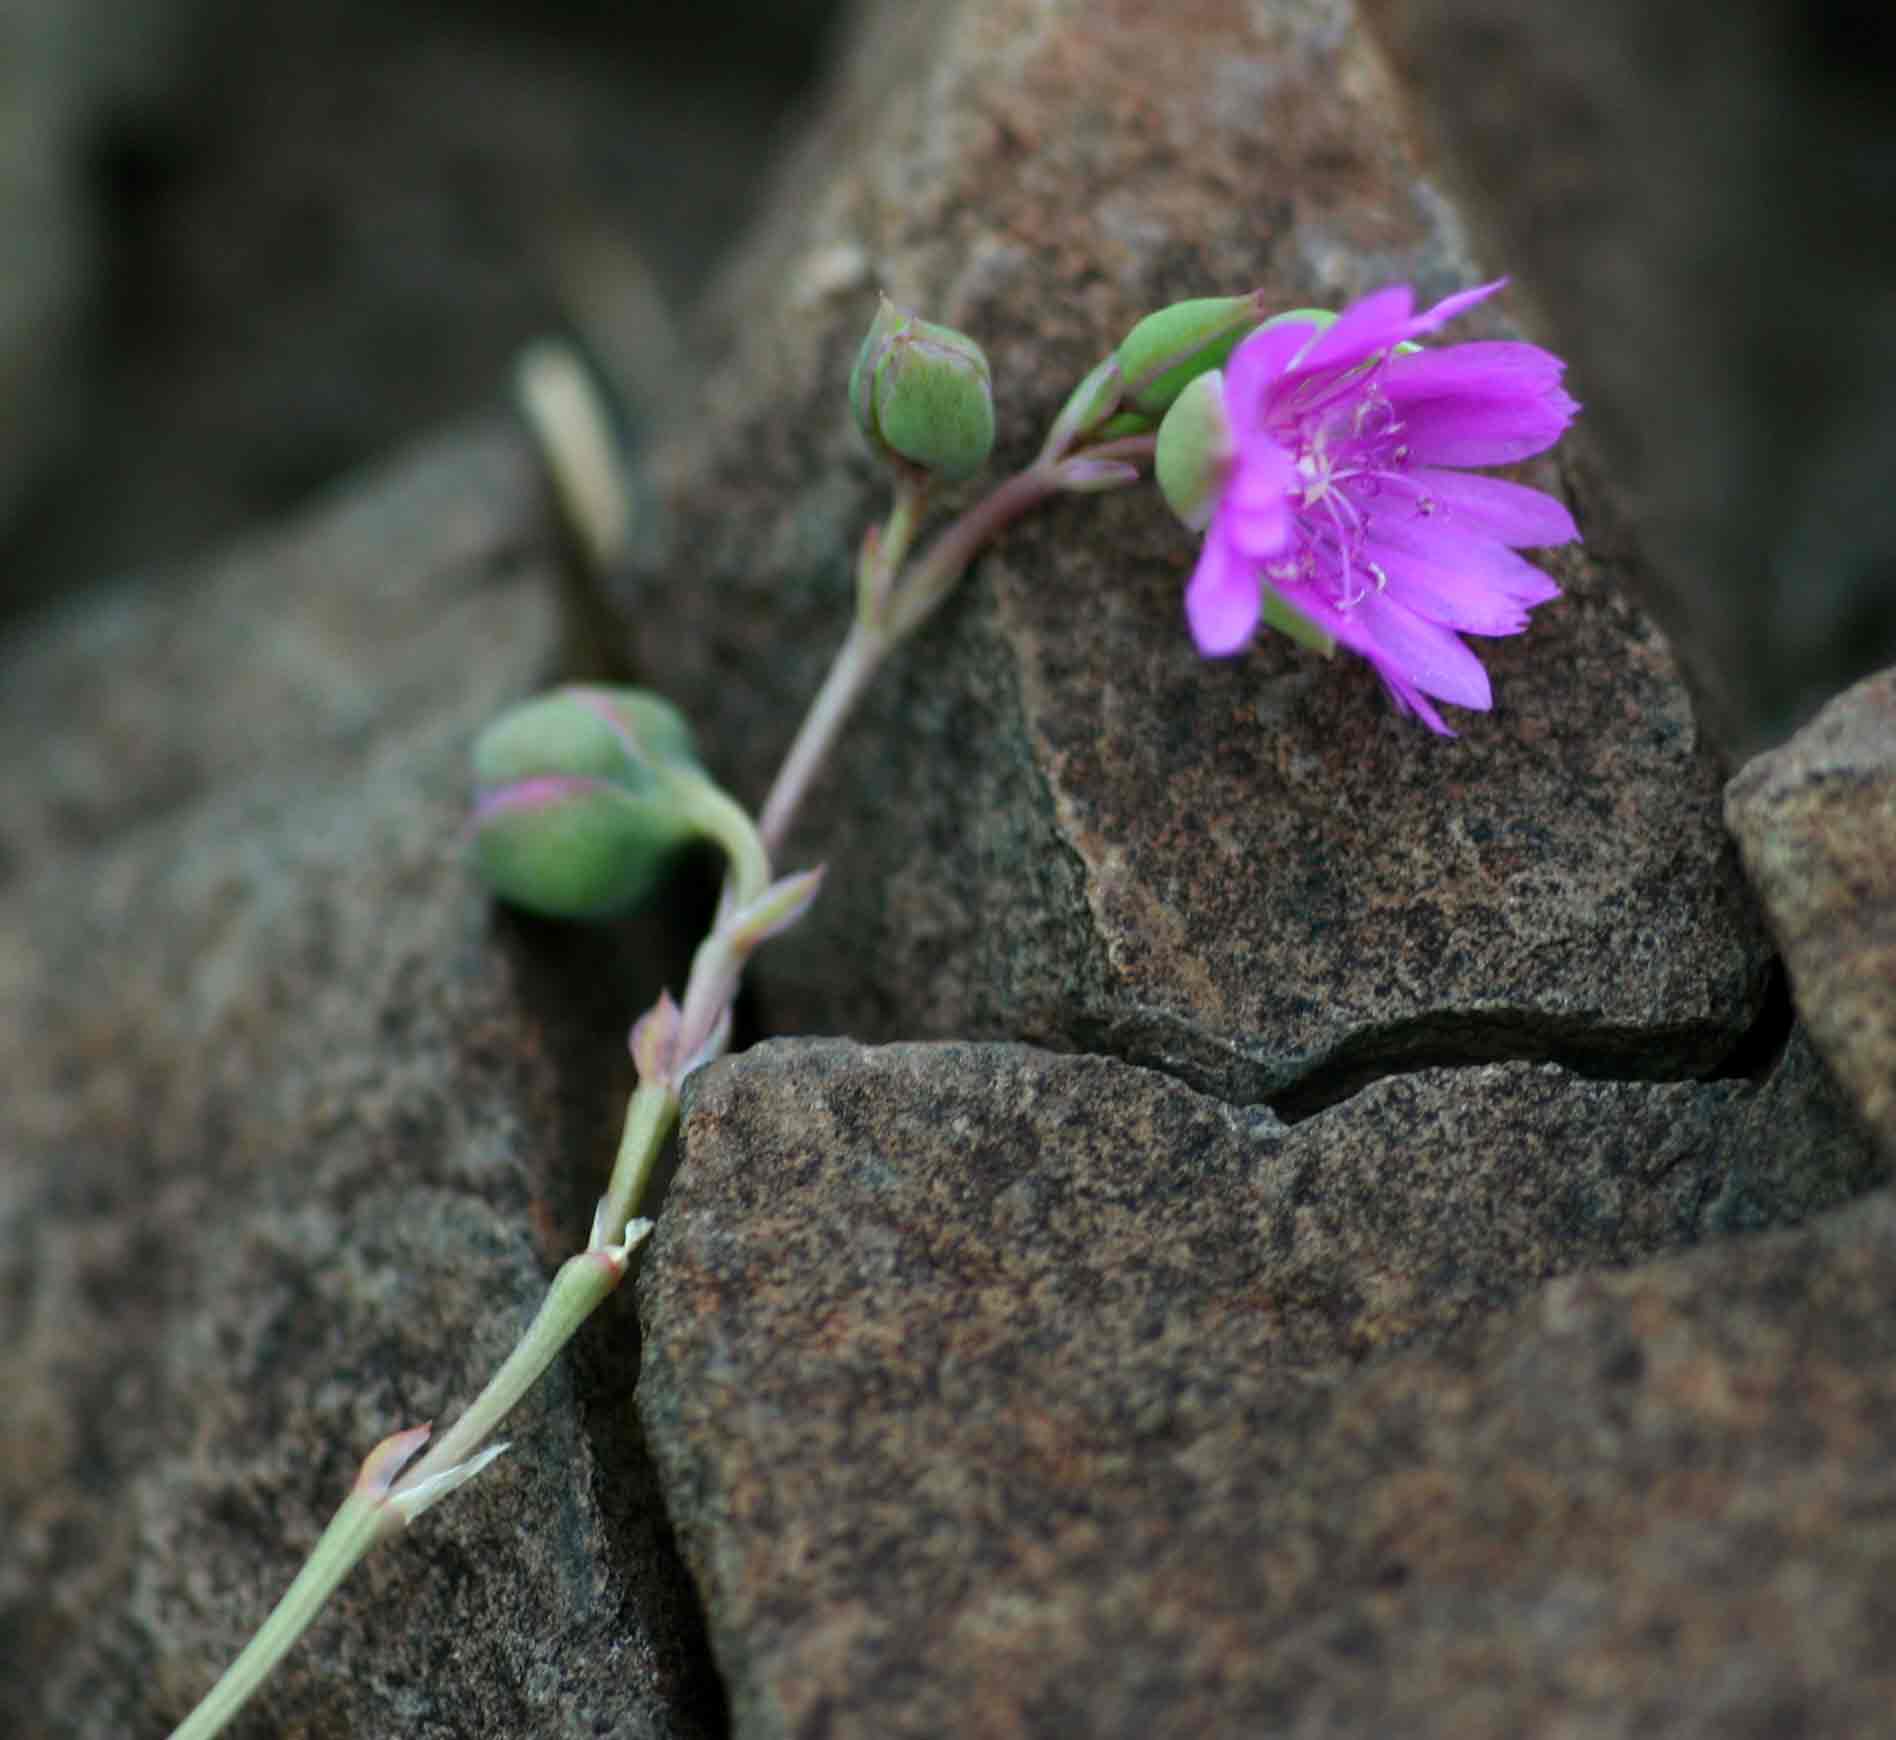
x=1816, y=822
x=294, y=1124
x=1631, y=166
x=1058, y=824
x=999, y=1393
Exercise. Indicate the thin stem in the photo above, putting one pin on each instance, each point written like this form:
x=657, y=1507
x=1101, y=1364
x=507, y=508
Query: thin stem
x=648, y=1121
x=1127, y=447
x=886, y=549
x=582, y=1283
x=929, y=580
x=727, y=822
x=910, y=602
x=861, y=655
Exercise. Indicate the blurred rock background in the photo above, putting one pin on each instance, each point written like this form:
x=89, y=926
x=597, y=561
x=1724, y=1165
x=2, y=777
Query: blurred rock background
x=242, y=248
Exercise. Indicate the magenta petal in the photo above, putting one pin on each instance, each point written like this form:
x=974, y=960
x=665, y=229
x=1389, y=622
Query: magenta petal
x=1255, y=511
x=1456, y=597
x=1485, y=563
x=1426, y=654
x=1491, y=507
x=1452, y=307
x=1255, y=368
x=1409, y=699
x=1408, y=654
x=1373, y=324
x=1483, y=369
x=1480, y=431
x=1221, y=600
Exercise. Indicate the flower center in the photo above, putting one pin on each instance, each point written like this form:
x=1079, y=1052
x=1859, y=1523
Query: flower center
x=1348, y=443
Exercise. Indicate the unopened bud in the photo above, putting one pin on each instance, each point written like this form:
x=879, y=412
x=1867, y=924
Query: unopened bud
x=1169, y=350
x=1194, y=451
x=924, y=394
x=582, y=798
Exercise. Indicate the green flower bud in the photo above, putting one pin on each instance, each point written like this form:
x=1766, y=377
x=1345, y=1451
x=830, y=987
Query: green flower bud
x=1194, y=450
x=582, y=798
x=923, y=394
x=1168, y=350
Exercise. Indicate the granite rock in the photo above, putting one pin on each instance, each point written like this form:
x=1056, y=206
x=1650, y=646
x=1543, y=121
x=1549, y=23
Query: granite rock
x=1633, y=164
x=1816, y=824
x=1001, y=1393
x=1057, y=823
x=295, y=1125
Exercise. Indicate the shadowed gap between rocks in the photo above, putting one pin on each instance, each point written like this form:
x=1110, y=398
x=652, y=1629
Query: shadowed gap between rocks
x=1457, y=1041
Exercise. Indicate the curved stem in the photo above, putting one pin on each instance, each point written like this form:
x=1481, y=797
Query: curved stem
x=860, y=657
x=929, y=580
x=727, y=822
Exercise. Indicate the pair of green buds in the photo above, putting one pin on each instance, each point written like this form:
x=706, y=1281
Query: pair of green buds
x=583, y=797
x=923, y=394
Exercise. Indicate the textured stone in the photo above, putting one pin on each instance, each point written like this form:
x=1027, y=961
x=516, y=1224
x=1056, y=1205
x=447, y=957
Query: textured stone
x=1632, y=167
x=1816, y=823
x=1001, y=1393
x=295, y=653
x=1057, y=823
x=294, y=1124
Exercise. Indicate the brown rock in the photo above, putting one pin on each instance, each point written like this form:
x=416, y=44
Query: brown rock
x=998, y=1393
x=1056, y=822
x=294, y=1124
x=1816, y=823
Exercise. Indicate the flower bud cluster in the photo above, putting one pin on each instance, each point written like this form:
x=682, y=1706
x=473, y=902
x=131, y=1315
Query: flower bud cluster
x=582, y=797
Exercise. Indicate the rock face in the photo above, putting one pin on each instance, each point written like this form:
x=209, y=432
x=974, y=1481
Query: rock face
x=293, y=1126
x=1000, y=1393
x=1816, y=821
x=1058, y=823
x=1632, y=165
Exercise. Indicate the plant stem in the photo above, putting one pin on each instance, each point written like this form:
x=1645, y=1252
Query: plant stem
x=583, y=1283
x=860, y=657
x=906, y=604
x=648, y=1121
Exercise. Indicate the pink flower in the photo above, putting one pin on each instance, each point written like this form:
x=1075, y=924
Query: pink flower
x=1340, y=492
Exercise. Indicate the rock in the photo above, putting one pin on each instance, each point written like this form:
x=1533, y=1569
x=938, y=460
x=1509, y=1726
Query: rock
x=66, y=68
x=1754, y=434
x=299, y=652
x=295, y=1126
x=1816, y=823
x=996, y=1392
x=1056, y=823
